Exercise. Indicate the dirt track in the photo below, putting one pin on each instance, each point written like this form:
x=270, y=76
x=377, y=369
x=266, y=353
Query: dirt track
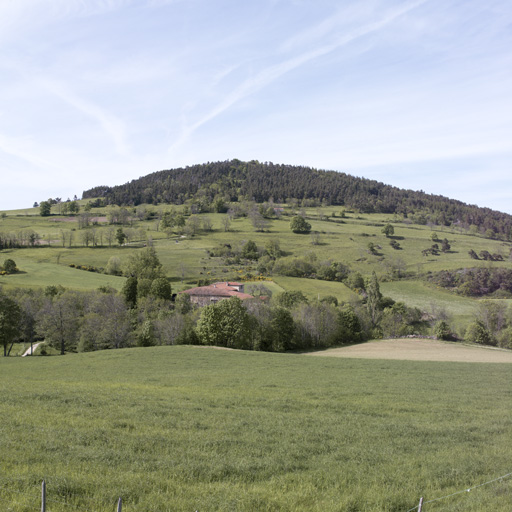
x=420, y=350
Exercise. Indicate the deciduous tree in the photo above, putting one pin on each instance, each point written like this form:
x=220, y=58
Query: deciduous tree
x=45, y=209
x=144, y=264
x=9, y=266
x=10, y=315
x=388, y=230
x=59, y=319
x=299, y=225
x=373, y=298
x=225, y=324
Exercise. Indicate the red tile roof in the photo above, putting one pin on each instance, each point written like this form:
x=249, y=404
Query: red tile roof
x=223, y=289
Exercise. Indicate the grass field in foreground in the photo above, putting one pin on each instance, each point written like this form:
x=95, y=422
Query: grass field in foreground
x=194, y=428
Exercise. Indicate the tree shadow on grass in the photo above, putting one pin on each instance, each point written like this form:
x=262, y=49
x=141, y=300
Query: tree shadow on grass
x=325, y=349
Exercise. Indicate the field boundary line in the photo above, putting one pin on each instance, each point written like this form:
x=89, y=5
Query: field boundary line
x=460, y=492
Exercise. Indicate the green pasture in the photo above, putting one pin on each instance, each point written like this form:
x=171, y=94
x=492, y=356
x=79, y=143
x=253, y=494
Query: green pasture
x=186, y=260
x=40, y=274
x=344, y=239
x=271, y=285
x=195, y=428
x=316, y=289
x=432, y=299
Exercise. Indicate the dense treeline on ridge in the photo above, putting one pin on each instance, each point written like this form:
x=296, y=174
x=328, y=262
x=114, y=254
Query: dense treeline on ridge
x=234, y=180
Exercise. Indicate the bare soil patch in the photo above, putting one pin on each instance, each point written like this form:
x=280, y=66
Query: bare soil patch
x=73, y=219
x=420, y=350
x=64, y=219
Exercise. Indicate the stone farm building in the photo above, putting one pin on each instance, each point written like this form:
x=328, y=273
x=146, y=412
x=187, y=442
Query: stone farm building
x=204, y=295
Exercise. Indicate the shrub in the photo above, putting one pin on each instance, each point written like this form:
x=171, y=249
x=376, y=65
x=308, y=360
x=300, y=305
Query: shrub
x=113, y=266
x=477, y=333
x=299, y=225
x=161, y=288
x=9, y=266
x=442, y=331
x=504, y=338
x=289, y=299
x=250, y=250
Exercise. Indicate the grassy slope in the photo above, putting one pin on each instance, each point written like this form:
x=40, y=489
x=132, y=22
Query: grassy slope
x=186, y=260
x=314, y=289
x=192, y=428
x=42, y=273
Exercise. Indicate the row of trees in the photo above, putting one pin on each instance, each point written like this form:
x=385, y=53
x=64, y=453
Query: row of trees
x=476, y=282
x=67, y=208
x=84, y=321
x=94, y=236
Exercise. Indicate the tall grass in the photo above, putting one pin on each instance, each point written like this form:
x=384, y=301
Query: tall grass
x=193, y=428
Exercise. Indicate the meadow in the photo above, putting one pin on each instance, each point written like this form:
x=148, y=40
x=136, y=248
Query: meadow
x=342, y=239
x=194, y=428
x=341, y=236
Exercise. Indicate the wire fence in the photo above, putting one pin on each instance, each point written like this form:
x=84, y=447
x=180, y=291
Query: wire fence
x=41, y=500
x=422, y=503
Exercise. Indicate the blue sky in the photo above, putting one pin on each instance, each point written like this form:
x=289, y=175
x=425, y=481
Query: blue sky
x=413, y=93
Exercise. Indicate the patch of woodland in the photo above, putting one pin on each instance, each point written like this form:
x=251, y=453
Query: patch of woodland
x=476, y=282
x=235, y=181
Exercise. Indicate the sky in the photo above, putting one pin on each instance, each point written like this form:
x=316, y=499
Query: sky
x=413, y=93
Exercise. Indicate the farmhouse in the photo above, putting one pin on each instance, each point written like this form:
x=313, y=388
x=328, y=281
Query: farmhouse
x=204, y=295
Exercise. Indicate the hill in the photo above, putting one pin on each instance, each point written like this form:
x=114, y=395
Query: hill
x=424, y=259
x=234, y=180
x=80, y=252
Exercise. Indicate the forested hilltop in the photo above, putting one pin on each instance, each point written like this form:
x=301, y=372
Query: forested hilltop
x=234, y=180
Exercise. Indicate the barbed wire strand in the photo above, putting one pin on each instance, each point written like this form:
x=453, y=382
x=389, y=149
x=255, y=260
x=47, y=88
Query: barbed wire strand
x=502, y=477
x=463, y=491
x=48, y=499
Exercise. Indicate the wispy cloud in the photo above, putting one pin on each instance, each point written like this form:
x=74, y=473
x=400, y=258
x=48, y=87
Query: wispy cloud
x=270, y=74
x=111, y=125
x=24, y=14
x=23, y=150
x=342, y=17
x=104, y=91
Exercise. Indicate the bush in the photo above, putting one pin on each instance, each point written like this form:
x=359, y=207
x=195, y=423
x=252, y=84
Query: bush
x=161, y=288
x=477, y=333
x=9, y=266
x=293, y=267
x=504, y=338
x=250, y=251
x=113, y=267
x=442, y=331
x=289, y=299
x=299, y=225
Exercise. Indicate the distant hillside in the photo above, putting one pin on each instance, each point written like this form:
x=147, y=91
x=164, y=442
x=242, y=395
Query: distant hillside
x=235, y=180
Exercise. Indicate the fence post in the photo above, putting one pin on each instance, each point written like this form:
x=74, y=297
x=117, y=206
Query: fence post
x=420, y=505
x=43, y=497
x=119, y=505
